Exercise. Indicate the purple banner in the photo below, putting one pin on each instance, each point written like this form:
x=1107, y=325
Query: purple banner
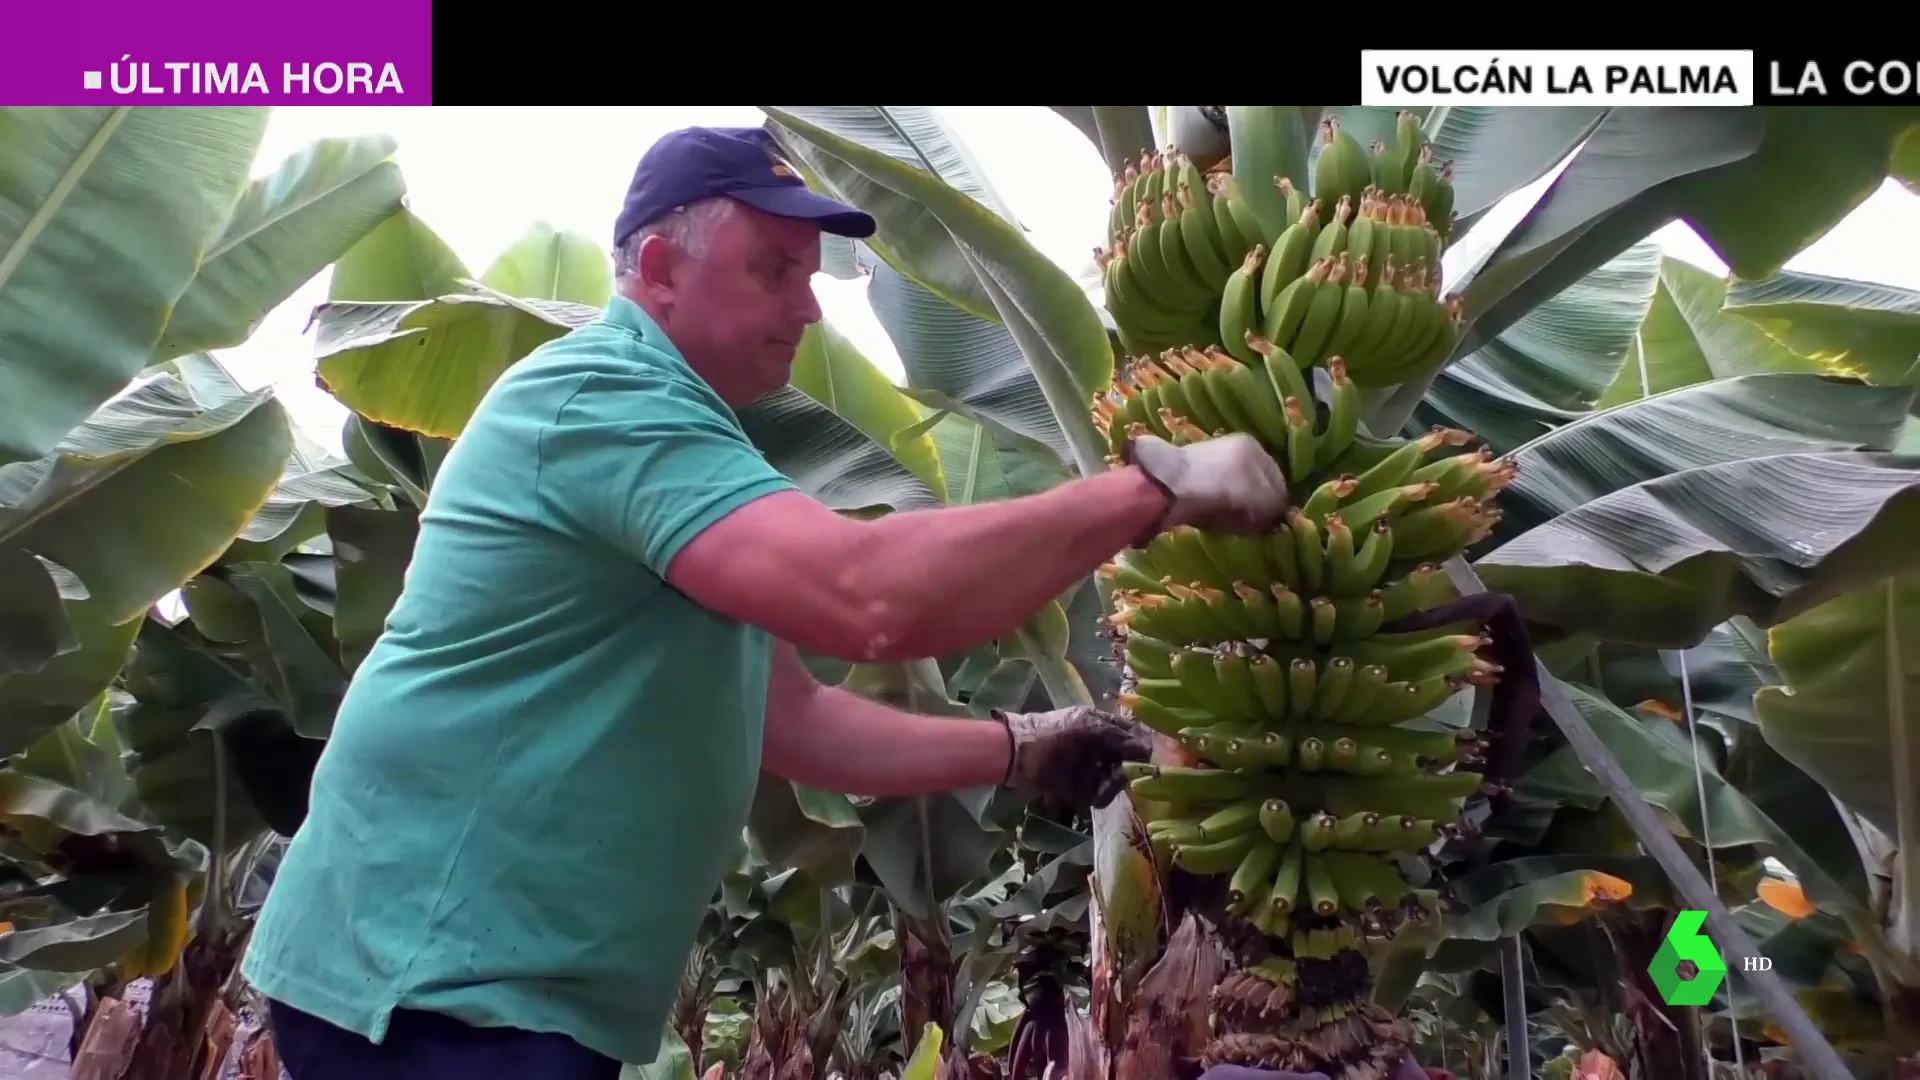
x=218, y=52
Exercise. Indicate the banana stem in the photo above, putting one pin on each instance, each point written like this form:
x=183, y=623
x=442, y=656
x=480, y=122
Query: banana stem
x=1126, y=131
x=1388, y=413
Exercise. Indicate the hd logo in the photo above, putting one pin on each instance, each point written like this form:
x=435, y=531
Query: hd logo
x=1686, y=944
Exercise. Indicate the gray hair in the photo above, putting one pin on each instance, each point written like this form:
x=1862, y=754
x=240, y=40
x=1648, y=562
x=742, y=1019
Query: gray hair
x=690, y=227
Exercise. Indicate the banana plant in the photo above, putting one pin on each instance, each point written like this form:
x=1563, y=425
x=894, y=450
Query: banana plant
x=1002, y=351
x=1721, y=172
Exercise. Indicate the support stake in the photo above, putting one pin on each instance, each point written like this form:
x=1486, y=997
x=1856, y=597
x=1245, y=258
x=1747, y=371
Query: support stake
x=1513, y=987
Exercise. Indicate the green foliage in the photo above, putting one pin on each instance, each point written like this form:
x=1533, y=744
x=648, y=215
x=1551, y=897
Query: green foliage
x=1707, y=477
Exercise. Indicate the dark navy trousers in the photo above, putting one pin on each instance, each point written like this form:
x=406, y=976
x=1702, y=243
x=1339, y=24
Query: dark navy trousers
x=429, y=1046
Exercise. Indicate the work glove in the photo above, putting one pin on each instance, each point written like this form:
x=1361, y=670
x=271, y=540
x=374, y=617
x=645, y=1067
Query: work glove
x=1228, y=484
x=1408, y=1069
x=1071, y=755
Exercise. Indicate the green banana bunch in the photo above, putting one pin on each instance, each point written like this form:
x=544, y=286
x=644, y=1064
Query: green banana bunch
x=1296, y=761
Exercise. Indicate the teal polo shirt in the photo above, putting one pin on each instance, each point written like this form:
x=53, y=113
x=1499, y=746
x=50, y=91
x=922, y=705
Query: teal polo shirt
x=541, y=768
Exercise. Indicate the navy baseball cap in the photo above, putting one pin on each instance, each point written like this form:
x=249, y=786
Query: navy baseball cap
x=695, y=163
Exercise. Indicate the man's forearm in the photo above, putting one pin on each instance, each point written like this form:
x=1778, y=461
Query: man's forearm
x=846, y=743
x=954, y=577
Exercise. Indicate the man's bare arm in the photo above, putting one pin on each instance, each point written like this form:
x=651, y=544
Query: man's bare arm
x=829, y=738
x=910, y=585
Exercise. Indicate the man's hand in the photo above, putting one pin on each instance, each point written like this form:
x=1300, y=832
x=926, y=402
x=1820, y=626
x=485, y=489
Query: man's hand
x=1227, y=485
x=1072, y=755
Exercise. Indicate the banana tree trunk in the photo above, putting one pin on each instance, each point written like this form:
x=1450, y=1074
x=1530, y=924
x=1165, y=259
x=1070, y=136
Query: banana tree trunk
x=926, y=981
x=777, y=1047
x=191, y=1018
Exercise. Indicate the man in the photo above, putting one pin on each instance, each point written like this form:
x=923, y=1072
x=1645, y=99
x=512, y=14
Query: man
x=540, y=770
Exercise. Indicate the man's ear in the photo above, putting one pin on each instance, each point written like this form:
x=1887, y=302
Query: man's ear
x=656, y=263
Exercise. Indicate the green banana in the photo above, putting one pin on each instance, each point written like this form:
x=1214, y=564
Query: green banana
x=1251, y=878
x=1290, y=612
x=1201, y=238
x=1360, y=230
x=1352, y=320
x=1289, y=260
x=1126, y=578
x=1439, y=203
x=1283, y=374
x=1307, y=544
x=1389, y=505
x=1343, y=168
x=1322, y=897
x=1322, y=312
x=1285, y=562
x=1194, y=668
x=1259, y=618
x=1324, y=619
x=1383, y=309
x=1340, y=552
x=1231, y=820
x=1282, y=319
x=1167, y=692
x=1383, y=172
x=1217, y=857
x=1368, y=564
x=1161, y=718
x=1332, y=238
x=1358, y=618
x=1284, y=896
x=1302, y=678
x=1365, y=690
x=1326, y=498
x=1239, y=306
x=1178, y=550
x=1190, y=279
x=1146, y=268
x=1343, y=417
x=1421, y=588
x=1224, y=189
x=1408, y=143
x=1149, y=656
x=1239, y=558
x=1175, y=783
x=1335, y=683
x=1236, y=682
x=1402, y=701
x=1301, y=450
x=1316, y=832
x=1276, y=820
x=1297, y=201
x=1440, y=531
x=1393, y=469
x=1253, y=390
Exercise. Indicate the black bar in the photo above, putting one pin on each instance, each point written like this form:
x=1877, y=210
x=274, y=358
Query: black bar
x=1835, y=77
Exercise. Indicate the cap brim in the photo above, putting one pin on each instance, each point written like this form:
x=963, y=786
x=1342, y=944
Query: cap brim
x=806, y=204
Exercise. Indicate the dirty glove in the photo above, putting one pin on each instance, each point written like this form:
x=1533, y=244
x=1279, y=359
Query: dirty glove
x=1227, y=485
x=1071, y=755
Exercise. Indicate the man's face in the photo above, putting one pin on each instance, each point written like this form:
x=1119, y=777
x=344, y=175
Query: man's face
x=739, y=312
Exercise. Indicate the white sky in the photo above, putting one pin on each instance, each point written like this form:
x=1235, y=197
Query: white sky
x=480, y=176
